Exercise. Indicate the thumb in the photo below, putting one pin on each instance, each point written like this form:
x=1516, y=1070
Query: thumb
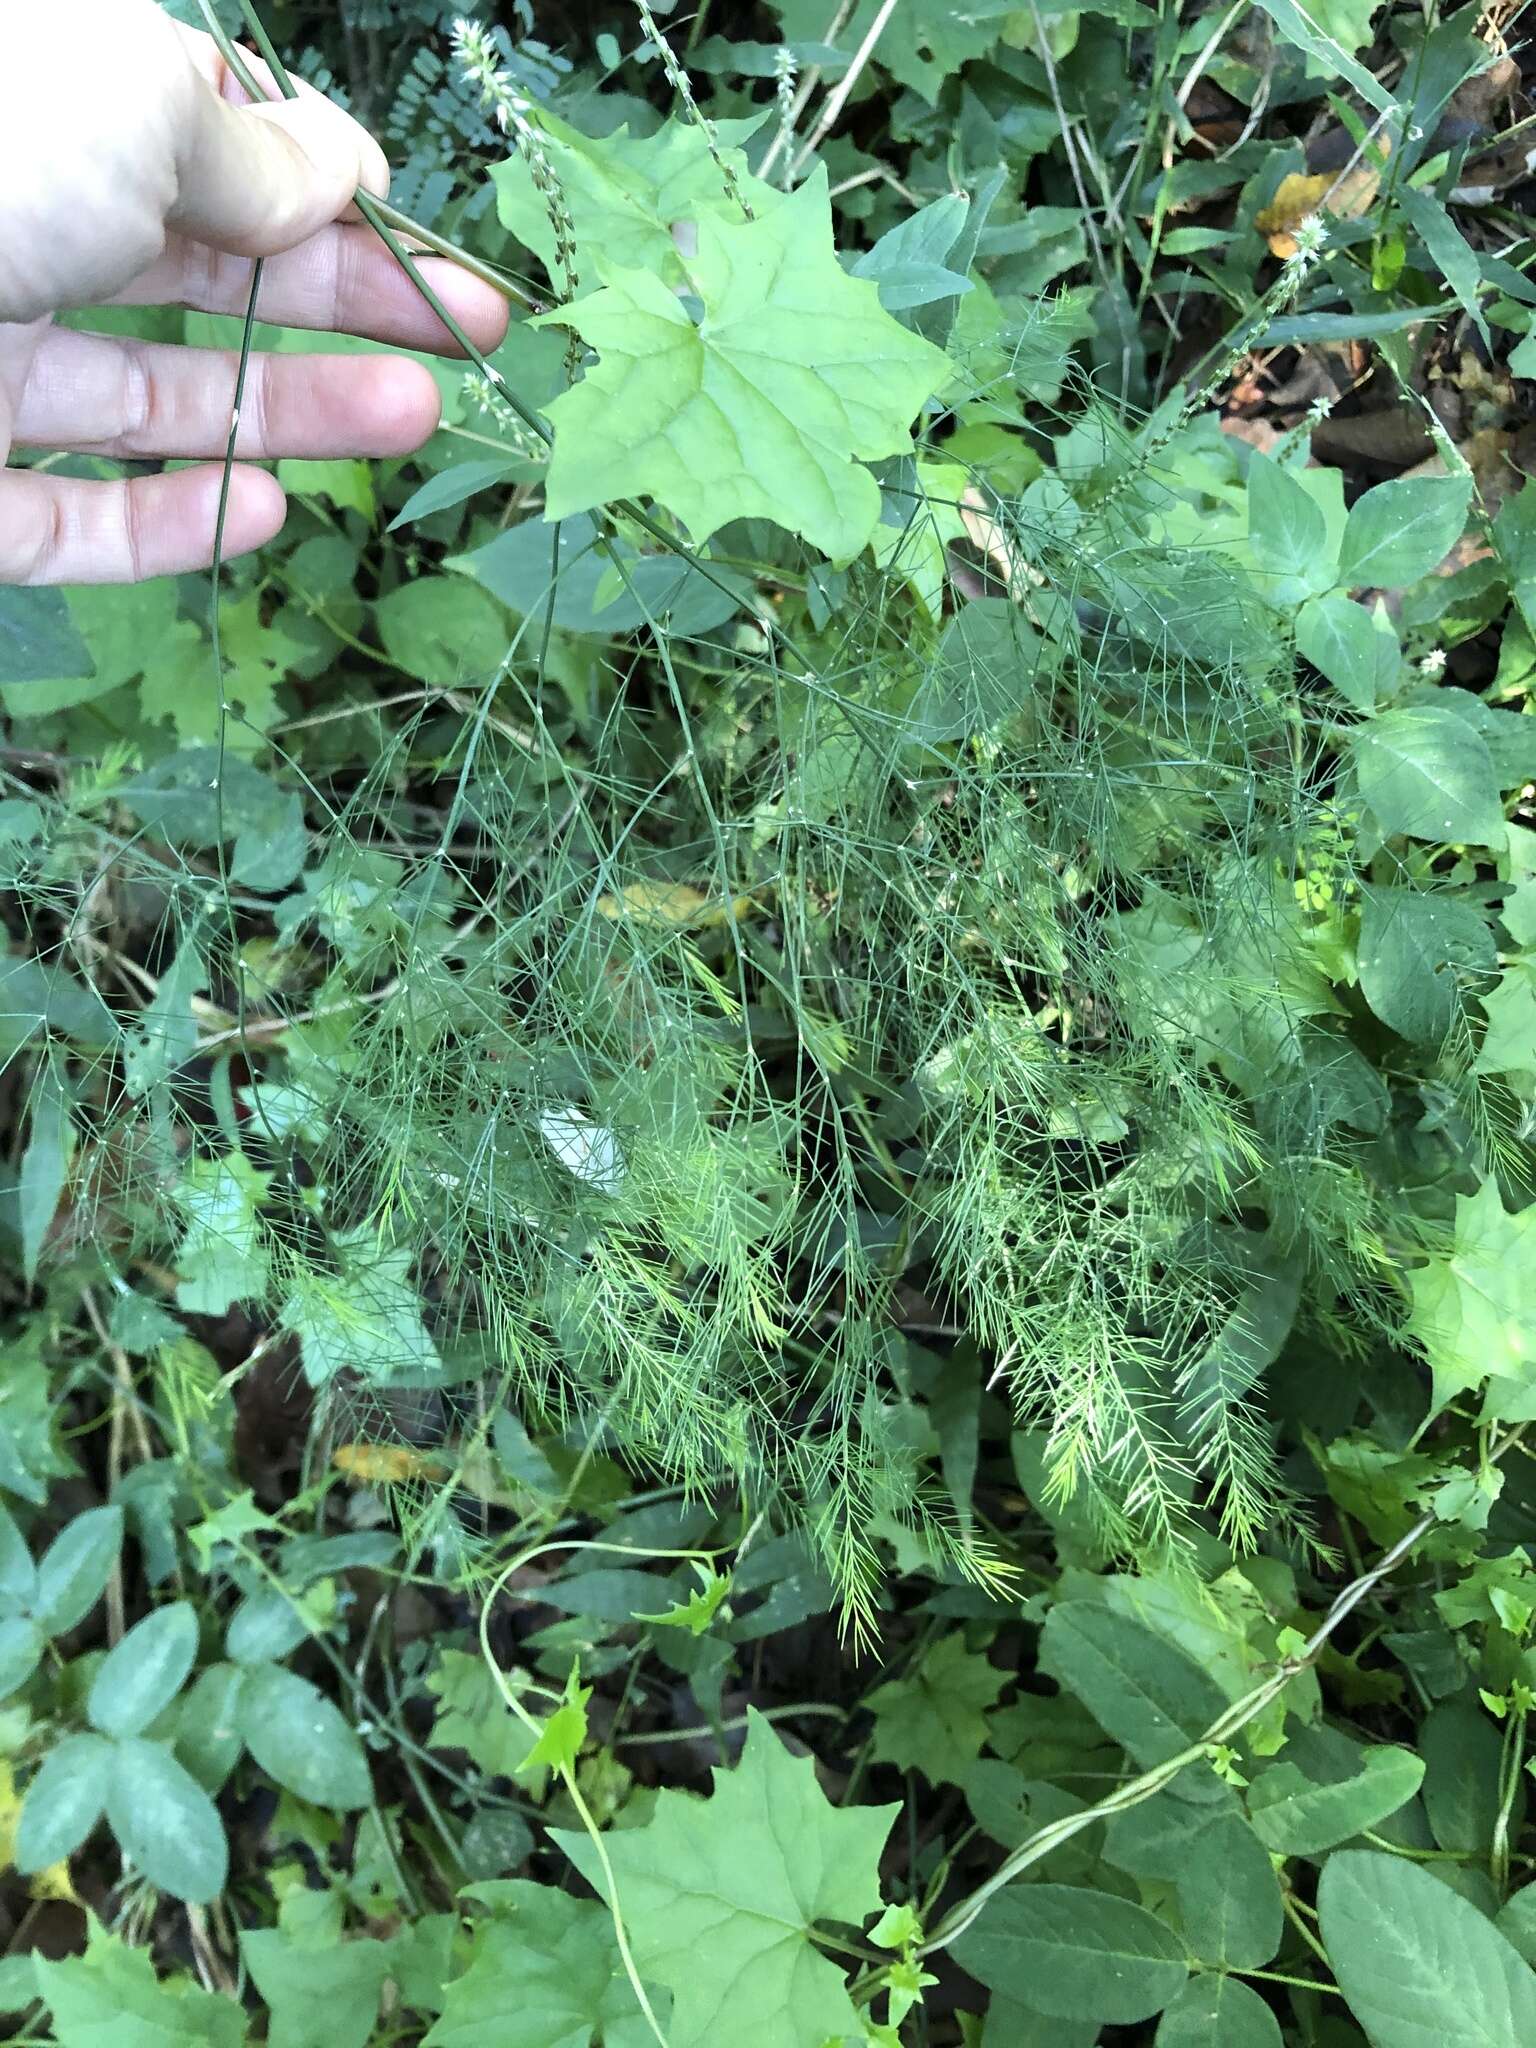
x=254, y=180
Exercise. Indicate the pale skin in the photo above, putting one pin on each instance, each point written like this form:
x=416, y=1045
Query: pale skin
x=134, y=171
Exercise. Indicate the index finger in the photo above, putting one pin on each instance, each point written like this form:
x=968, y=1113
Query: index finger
x=342, y=280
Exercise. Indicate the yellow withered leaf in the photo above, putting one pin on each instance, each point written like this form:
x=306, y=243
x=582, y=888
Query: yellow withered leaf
x=385, y=1464
x=1299, y=196
x=671, y=903
x=54, y=1882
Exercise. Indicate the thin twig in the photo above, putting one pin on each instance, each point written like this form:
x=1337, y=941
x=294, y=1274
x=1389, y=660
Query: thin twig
x=802, y=97
x=838, y=98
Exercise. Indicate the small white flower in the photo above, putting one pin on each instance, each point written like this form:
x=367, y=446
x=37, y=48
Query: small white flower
x=1310, y=237
x=1433, y=663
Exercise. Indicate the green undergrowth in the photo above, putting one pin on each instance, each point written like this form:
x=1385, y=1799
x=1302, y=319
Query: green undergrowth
x=840, y=949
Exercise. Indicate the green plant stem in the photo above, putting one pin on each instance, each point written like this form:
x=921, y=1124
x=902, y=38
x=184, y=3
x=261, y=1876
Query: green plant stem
x=1416, y=1855
x=1290, y=1905
x=660, y=1736
x=1277, y=1977
x=567, y=1775
x=1509, y=1789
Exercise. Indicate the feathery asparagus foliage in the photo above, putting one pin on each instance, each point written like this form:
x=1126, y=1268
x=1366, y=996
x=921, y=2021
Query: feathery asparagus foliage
x=718, y=958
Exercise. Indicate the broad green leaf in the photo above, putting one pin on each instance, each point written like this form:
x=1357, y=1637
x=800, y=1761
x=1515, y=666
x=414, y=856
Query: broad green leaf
x=921, y=44
x=1294, y=1816
x=1217, y=2012
x=1447, y=249
x=1462, y=1749
x=122, y=626
x=1152, y=1698
x=1402, y=530
x=175, y=796
x=44, y=1165
x=1474, y=1311
x=767, y=408
x=1514, y=535
x=299, y=1738
x=167, y=1034
x=1300, y=27
x=935, y=1720
x=544, y=1973
x=1011, y=2025
x=1421, y=957
x=142, y=1674
x=1419, y=1966
x=519, y=565
x=1286, y=530
x=38, y=639
x=64, y=1801
x=317, y=1997
x=208, y=1738
x=443, y=630
x=73, y=1571
x=1355, y=648
x=223, y=1256
x=1229, y=1897
x=112, y=1997
x=347, y=483
x=719, y=1897
x=1517, y=1921
x=18, y=1574
x=1158, y=1837
x=907, y=262
x=626, y=193
x=451, y=487
x=265, y=1627
x=1509, y=1043
x=365, y=1319
x=165, y=1822
x=29, y=1455
x=1427, y=772
x=472, y=1716
x=1074, y=1954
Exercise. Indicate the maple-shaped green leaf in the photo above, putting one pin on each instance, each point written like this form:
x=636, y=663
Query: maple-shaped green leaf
x=1475, y=1312
x=1509, y=1044
x=543, y=1973
x=472, y=1715
x=223, y=1256
x=366, y=1318
x=935, y=1720
x=922, y=43
x=565, y=1730
x=129, y=630
x=626, y=193
x=180, y=684
x=719, y=1897
x=764, y=407
x=111, y=1997
x=696, y=1612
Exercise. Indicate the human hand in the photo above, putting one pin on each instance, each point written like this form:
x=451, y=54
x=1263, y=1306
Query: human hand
x=134, y=171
